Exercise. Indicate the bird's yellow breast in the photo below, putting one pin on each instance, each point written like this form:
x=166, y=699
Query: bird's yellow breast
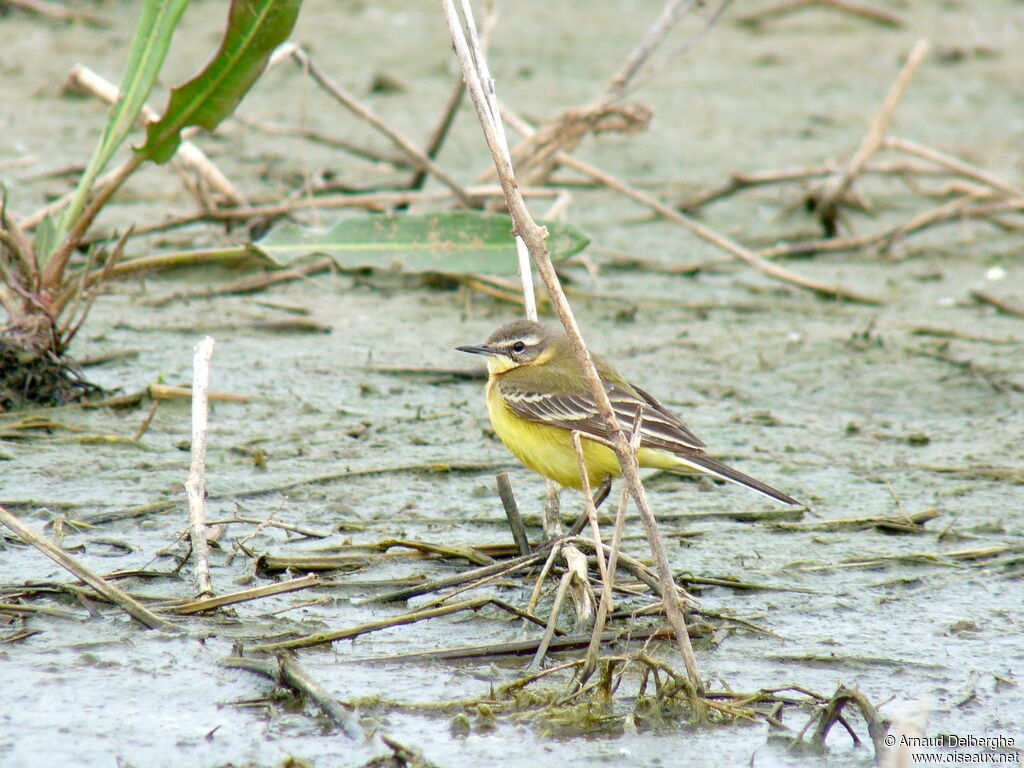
x=548, y=450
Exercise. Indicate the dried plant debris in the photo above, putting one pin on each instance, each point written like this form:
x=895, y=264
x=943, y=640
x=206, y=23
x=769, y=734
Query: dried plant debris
x=31, y=379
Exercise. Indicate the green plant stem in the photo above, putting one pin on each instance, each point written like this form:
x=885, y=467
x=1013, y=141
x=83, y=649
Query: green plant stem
x=53, y=272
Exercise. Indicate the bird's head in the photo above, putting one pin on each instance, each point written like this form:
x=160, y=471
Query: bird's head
x=515, y=344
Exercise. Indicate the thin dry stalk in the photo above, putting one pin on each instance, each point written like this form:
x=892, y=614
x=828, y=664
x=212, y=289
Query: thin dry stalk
x=195, y=487
x=542, y=576
x=669, y=16
x=862, y=10
x=805, y=248
x=454, y=102
x=167, y=392
x=534, y=237
x=950, y=211
x=459, y=579
x=302, y=530
x=739, y=181
x=907, y=523
x=591, y=513
x=364, y=153
x=299, y=679
x=710, y=20
x=549, y=631
x=58, y=11
x=14, y=236
x=249, y=283
x=1006, y=307
x=440, y=133
x=836, y=188
x=441, y=550
x=245, y=595
x=78, y=294
x=762, y=265
x=287, y=672
x=515, y=520
x=558, y=208
x=58, y=261
x=606, y=606
x=951, y=163
x=350, y=102
x=146, y=421
x=323, y=638
x=129, y=604
x=371, y=201
x=478, y=79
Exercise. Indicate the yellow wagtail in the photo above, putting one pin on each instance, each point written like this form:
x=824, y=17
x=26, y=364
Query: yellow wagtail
x=537, y=397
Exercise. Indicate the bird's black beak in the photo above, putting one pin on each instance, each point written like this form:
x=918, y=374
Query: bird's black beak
x=478, y=349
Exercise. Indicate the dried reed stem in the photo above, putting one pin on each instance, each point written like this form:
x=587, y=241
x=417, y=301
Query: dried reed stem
x=515, y=520
x=535, y=239
x=56, y=553
x=951, y=163
x=245, y=595
x=605, y=607
x=346, y=99
x=196, y=484
x=702, y=231
x=478, y=79
x=838, y=186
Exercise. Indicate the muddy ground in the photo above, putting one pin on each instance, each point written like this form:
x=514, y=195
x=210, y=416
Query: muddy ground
x=845, y=406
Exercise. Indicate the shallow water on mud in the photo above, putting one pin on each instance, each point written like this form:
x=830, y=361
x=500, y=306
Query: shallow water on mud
x=846, y=407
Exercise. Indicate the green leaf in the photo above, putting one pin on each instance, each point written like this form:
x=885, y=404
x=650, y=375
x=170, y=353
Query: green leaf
x=255, y=29
x=46, y=238
x=149, y=47
x=461, y=241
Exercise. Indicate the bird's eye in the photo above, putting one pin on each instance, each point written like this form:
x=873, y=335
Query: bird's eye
x=518, y=347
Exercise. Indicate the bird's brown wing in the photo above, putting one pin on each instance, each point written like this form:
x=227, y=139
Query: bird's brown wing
x=659, y=428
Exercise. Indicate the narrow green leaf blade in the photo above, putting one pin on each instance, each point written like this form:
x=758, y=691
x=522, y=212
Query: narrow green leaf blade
x=255, y=29
x=460, y=241
x=150, y=43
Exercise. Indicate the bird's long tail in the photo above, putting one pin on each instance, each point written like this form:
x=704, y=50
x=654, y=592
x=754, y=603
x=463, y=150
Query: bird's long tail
x=709, y=466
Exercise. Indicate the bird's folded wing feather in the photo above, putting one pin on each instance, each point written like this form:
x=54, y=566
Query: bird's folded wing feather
x=659, y=428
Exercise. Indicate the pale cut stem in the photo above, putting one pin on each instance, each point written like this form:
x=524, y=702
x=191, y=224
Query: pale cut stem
x=591, y=513
x=492, y=114
x=195, y=487
x=539, y=584
x=549, y=631
x=553, y=510
x=607, y=575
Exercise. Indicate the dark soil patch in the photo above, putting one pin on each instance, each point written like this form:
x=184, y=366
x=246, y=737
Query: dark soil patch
x=36, y=379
